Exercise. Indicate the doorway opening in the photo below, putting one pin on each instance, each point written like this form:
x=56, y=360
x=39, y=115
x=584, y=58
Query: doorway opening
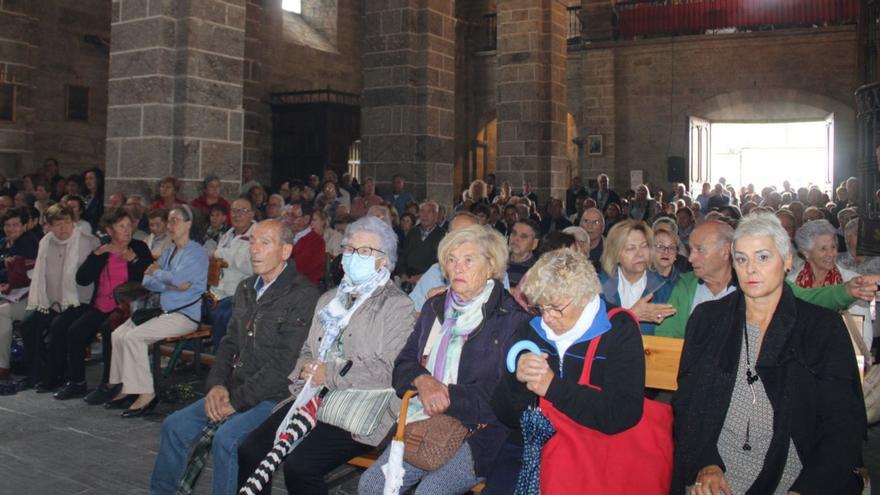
x=763, y=154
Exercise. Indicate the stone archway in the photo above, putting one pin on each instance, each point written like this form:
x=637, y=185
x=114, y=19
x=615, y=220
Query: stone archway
x=766, y=105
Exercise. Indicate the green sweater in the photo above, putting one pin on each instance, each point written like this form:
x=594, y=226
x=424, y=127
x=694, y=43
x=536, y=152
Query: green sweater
x=833, y=297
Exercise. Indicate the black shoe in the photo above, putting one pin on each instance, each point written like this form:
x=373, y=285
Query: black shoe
x=101, y=394
x=71, y=390
x=121, y=403
x=47, y=387
x=133, y=413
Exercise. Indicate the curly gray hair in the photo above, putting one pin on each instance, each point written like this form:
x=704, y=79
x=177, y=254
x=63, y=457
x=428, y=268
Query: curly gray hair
x=805, y=237
x=377, y=227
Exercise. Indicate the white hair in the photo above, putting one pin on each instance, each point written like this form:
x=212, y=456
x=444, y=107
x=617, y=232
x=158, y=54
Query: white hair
x=805, y=237
x=379, y=228
x=763, y=224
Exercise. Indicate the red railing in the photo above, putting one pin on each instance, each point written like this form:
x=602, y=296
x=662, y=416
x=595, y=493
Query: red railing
x=673, y=18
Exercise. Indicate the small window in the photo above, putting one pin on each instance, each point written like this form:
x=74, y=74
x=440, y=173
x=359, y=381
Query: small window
x=7, y=102
x=77, y=103
x=294, y=6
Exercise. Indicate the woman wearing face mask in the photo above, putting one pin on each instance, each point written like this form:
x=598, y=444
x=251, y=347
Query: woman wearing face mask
x=374, y=318
x=454, y=358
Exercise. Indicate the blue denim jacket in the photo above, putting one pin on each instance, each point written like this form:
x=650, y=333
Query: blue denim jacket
x=189, y=265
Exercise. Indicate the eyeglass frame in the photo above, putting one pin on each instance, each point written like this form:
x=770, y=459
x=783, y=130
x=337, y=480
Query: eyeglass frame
x=672, y=248
x=352, y=250
x=556, y=312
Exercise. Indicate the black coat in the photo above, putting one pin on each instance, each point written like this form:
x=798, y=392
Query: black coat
x=618, y=369
x=808, y=369
x=479, y=369
x=90, y=271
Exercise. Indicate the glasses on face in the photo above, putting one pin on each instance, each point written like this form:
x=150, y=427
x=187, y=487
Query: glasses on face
x=174, y=221
x=591, y=222
x=552, y=311
x=241, y=211
x=663, y=248
x=364, y=251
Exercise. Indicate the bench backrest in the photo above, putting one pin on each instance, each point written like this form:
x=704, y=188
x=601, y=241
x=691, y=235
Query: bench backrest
x=662, y=355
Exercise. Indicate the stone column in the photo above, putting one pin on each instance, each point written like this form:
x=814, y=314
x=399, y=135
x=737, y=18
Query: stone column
x=531, y=95
x=17, y=51
x=408, y=113
x=175, y=93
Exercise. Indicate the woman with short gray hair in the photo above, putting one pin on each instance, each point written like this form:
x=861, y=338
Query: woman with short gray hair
x=180, y=279
x=817, y=243
x=372, y=318
x=769, y=399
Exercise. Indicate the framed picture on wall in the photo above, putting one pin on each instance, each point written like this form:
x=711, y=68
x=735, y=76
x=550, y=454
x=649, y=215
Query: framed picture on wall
x=595, y=145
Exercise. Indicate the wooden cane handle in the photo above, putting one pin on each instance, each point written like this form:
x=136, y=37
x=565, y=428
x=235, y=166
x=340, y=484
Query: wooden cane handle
x=401, y=420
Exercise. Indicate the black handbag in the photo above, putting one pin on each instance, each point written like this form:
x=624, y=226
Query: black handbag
x=143, y=315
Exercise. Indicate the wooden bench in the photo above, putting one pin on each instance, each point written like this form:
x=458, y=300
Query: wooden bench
x=662, y=356
x=203, y=332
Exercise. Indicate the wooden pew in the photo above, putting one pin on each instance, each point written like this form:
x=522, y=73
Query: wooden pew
x=662, y=356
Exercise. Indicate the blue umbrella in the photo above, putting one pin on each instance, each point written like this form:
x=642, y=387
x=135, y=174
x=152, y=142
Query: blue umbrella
x=536, y=431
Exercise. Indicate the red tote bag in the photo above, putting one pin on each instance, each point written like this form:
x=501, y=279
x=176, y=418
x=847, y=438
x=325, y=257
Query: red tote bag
x=578, y=459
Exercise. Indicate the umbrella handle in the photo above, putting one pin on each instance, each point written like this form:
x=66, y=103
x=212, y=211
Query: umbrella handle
x=516, y=349
x=401, y=420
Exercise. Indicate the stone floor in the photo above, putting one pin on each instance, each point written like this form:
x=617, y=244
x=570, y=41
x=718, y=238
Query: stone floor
x=50, y=447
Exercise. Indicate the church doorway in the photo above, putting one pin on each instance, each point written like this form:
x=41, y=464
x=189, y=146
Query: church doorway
x=763, y=154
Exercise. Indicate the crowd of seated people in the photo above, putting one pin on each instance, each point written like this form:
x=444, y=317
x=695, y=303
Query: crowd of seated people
x=418, y=299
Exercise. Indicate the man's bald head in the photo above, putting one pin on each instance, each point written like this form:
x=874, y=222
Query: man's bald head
x=462, y=220
x=710, y=251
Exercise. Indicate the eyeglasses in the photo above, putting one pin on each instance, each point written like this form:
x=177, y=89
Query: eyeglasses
x=241, y=211
x=591, y=222
x=663, y=248
x=364, y=251
x=551, y=310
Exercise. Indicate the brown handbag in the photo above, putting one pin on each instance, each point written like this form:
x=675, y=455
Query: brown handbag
x=430, y=443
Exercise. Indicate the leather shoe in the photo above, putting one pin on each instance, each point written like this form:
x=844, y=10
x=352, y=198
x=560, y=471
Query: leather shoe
x=47, y=387
x=101, y=394
x=121, y=403
x=133, y=413
x=71, y=390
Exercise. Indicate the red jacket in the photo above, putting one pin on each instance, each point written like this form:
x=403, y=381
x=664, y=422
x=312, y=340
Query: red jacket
x=202, y=203
x=308, y=253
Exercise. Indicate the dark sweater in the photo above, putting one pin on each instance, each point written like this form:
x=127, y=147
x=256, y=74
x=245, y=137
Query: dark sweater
x=420, y=254
x=25, y=246
x=807, y=366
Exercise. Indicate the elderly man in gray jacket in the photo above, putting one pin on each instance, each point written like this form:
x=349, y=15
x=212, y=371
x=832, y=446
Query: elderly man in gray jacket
x=270, y=321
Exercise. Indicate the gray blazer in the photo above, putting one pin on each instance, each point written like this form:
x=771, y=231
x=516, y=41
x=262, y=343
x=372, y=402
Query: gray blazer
x=373, y=338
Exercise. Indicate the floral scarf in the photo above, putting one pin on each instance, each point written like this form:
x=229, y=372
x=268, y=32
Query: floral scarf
x=805, y=277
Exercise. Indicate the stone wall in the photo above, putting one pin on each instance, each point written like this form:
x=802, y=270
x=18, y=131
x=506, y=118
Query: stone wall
x=639, y=94
x=46, y=47
x=175, y=94
x=276, y=60
x=659, y=84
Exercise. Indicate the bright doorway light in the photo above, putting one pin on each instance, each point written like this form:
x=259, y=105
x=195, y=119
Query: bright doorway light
x=768, y=154
x=294, y=6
